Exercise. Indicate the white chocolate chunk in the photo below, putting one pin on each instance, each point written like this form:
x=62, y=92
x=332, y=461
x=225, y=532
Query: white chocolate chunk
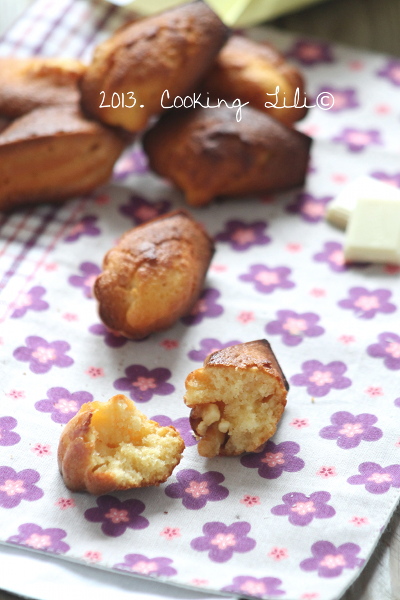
x=340, y=208
x=373, y=232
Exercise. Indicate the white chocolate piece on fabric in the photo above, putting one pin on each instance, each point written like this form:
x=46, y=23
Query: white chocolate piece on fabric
x=373, y=233
x=340, y=208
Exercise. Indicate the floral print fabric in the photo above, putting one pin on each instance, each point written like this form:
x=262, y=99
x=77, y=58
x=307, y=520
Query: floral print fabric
x=299, y=517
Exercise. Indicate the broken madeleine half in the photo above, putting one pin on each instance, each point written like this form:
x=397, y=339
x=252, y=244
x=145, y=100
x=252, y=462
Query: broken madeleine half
x=110, y=446
x=237, y=399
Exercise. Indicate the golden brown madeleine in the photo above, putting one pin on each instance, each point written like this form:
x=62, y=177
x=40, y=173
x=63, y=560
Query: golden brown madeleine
x=113, y=446
x=30, y=83
x=53, y=153
x=208, y=153
x=169, y=51
x=237, y=399
x=154, y=275
x=250, y=71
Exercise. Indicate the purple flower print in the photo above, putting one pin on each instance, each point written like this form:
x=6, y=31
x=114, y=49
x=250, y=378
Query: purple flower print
x=252, y=586
x=397, y=402
x=309, y=207
x=222, y=540
x=62, y=404
x=391, y=71
x=358, y=139
x=350, y=430
x=330, y=561
x=113, y=339
x=15, y=487
x=207, y=346
x=140, y=210
x=333, y=255
x=43, y=355
x=294, y=327
x=242, y=236
x=343, y=99
x=267, y=280
x=86, y=226
x=182, y=425
x=46, y=540
x=8, y=437
x=196, y=489
x=138, y=563
x=388, y=348
x=142, y=384
x=367, y=304
x=302, y=509
x=274, y=459
x=206, y=306
x=320, y=379
x=117, y=516
x=133, y=162
x=311, y=52
x=386, y=178
x=32, y=300
x=377, y=479
x=86, y=280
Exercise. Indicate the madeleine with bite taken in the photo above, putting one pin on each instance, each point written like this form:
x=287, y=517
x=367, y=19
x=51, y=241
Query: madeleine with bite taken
x=237, y=399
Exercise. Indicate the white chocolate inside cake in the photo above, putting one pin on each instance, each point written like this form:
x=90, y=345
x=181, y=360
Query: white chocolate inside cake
x=233, y=409
x=127, y=445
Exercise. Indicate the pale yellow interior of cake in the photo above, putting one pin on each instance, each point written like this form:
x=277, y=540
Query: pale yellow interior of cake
x=127, y=445
x=235, y=410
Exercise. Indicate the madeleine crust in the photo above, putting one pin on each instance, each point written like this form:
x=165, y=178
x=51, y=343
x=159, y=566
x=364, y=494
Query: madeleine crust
x=154, y=275
x=168, y=51
x=237, y=399
x=209, y=153
x=113, y=446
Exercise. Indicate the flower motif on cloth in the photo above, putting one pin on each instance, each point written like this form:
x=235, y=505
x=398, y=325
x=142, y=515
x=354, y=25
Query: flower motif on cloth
x=138, y=563
x=221, y=540
x=359, y=521
x=333, y=255
x=350, y=430
x=85, y=281
x=142, y=383
x=209, y=345
x=42, y=355
x=140, y=210
x=169, y=533
x=62, y=404
x=357, y=140
x=255, y=587
x=133, y=162
x=367, y=304
x=248, y=500
x=86, y=226
x=32, y=300
x=7, y=436
x=390, y=179
x=330, y=561
x=326, y=471
x=397, y=402
x=388, y=348
x=266, y=279
x=309, y=207
x=242, y=235
x=274, y=459
x=64, y=503
x=196, y=489
x=377, y=479
x=299, y=423
x=33, y=536
x=206, y=306
x=112, y=339
x=294, y=327
x=278, y=554
x=41, y=449
x=302, y=509
x=391, y=71
x=92, y=556
x=343, y=99
x=15, y=487
x=182, y=425
x=321, y=379
x=116, y=516
x=311, y=52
